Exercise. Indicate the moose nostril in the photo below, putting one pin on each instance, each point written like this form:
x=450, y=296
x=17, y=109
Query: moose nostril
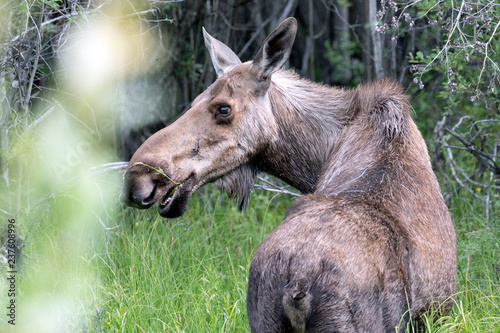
x=150, y=199
x=139, y=190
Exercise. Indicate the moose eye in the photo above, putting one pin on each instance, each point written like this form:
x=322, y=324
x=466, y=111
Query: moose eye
x=224, y=110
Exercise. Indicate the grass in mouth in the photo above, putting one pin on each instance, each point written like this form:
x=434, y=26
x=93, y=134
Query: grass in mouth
x=160, y=171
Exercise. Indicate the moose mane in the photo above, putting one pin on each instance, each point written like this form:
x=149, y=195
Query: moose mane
x=382, y=126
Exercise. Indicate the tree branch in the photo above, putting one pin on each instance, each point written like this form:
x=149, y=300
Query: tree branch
x=485, y=159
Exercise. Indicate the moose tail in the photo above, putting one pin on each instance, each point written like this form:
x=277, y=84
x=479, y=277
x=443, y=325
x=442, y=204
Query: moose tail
x=297, y=301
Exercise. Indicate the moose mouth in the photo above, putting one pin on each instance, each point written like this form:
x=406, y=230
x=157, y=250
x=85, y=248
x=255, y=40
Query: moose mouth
x=167, y=198
x=174, y=202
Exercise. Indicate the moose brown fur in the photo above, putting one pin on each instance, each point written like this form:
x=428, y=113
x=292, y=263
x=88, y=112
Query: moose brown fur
x=368, y=247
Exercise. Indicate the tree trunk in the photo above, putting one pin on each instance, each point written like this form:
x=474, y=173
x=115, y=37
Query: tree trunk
x=366, y=43
x=343, y=39
x=311, y=36
x=376, y=40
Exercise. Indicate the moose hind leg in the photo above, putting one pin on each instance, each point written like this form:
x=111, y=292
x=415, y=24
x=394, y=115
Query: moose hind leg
x=264, y=304
x=395, y=311
x=340, y=309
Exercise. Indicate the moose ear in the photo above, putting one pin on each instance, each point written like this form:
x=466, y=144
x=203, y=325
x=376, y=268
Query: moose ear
x=275, y=50
x=223, y=58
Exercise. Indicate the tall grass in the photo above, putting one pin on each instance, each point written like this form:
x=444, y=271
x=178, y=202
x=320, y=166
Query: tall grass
x=183, y=275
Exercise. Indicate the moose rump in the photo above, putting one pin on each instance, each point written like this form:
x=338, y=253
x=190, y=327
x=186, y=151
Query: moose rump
x=370, y=245
x=335, y=264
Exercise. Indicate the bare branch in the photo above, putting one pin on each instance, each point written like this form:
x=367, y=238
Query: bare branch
x=54, y=20
x=487, y=57
x=451, y=163
x=485, y=159
x=271, y=187
x=37, y=57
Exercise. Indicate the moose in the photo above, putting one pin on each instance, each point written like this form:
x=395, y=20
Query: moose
x=368, y=248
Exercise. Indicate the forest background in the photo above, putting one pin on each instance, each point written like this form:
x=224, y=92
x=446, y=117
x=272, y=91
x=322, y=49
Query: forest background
x=84, y=83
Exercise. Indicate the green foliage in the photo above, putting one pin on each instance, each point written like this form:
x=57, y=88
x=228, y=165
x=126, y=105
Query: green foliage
x=464, y=54
x=26, y=12
x=187, y=274
x=456, y=72
x=52, y=3
x=334, y=55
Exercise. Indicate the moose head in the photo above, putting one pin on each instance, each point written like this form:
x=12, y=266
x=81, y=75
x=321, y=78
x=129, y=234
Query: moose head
x=227, y=126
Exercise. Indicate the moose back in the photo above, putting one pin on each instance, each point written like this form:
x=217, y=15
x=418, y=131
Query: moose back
x=369, y=246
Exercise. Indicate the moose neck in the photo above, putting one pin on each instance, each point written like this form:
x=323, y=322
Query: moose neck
x=310, y=118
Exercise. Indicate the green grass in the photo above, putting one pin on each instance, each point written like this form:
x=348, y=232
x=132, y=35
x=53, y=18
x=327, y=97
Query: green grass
x=190, y=274
x=184, y=275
